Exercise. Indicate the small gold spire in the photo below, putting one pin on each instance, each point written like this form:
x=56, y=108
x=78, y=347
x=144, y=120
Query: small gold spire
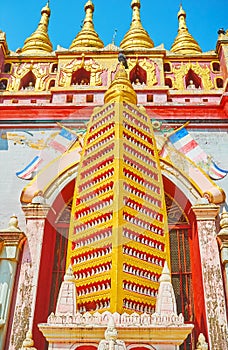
x=39, y=41
x=120, y=89
x=87, y=37
x=137, y=37
x=184, y=42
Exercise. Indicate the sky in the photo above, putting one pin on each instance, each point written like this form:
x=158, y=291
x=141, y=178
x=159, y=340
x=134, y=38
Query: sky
x=19, y=19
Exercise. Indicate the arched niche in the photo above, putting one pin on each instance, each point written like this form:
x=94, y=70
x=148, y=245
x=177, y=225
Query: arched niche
x=192, y=78
x=219, y=83
x=51, y=83
x=7, y=68
x=80, y=77
x=28, y=82
x=169, y=82
x=3, y=84
x=138, y=75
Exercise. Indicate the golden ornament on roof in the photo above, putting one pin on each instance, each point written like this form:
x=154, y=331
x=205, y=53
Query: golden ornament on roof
x=87, y=37
x=184, y=42
x=121, y=88
x=137, y=37
x=39, y=42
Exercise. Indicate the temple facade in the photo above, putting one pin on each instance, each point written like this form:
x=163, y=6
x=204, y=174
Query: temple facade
x=114, y=217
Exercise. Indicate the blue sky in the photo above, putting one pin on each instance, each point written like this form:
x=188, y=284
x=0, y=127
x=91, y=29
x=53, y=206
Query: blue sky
x=19, y=18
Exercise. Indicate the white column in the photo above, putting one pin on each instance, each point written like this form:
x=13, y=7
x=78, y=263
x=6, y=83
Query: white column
x=214, y=295
x=29, y=273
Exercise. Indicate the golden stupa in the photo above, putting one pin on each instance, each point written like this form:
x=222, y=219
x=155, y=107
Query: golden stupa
x=87, y=37
x=184, y=42
x=137, y=37
x=39, y=42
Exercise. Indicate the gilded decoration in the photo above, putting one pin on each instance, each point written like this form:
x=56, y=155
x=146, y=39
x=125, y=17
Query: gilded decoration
x=202, y=72
x=22, y=69
x=90, y=65
x=148, y=65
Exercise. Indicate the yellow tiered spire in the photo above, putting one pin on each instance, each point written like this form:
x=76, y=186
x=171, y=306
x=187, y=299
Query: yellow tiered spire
x=87, y=37
x=184, y=42
x=121, y=89
x=137, y=37
x=39, y=42
x=118, y=238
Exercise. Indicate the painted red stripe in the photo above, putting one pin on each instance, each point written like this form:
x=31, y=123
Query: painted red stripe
x=188, y=147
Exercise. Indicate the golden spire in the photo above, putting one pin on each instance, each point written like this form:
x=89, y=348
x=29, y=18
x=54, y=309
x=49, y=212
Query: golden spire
x=137, y=37
x=121, y=89
x=87, y=37
x=184, y=43
x=39, y=41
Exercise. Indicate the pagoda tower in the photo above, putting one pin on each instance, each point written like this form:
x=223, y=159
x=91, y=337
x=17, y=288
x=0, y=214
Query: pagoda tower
x=118, y=234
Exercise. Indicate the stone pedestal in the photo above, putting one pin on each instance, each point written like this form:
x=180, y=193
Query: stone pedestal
x=29, y=273
x=11, y=241
x=212, y=276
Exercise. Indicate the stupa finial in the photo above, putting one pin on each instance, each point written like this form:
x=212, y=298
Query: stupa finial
x=121, y=88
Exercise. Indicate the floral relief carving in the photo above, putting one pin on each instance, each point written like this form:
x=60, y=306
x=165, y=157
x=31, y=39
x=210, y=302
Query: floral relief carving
x=91, y=66
x=202, y=72
x=148, y=66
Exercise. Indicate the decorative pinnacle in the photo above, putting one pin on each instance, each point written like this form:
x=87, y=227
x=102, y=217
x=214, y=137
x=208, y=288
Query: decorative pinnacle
x=69, y=276
x=137, y=37
x=13, y=225
x=135, y=5
x=87, y=37
x=182, y=18
x=165, y=276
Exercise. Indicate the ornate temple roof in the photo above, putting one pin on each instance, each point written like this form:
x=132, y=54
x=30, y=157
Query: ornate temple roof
x=39, y=42
x=121, y=88
x=137, y=37
x=87, y=37
x=184, y=42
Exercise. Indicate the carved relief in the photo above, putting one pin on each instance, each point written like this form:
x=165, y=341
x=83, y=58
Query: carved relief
x=148, y=65
x=202, y=72
x=91, y=66
x=21, y=70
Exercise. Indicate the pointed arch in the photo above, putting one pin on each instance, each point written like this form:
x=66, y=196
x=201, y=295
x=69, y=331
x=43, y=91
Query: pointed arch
x=191, y=76
x=80, y=77
x=138, y=75
x=28, y=81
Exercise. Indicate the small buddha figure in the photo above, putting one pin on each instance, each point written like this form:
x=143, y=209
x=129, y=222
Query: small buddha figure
x=2, y=85
x=30, y=86
x=201, y=344
x=191, y=85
